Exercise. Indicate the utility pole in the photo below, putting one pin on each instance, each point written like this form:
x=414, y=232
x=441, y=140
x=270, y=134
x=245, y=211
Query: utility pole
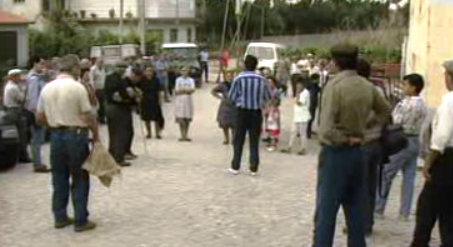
x=120, y=36
x=262, y=22
x=142, y=12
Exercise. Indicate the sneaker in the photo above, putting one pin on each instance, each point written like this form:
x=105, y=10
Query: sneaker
x=63, y=224
x=87, y=227
x=271, y=149
x=232, y=171
x=302, y=152
x=253, y=174
x=130, y=156
x=41, y=169
x=124, y=164
x=286, y=151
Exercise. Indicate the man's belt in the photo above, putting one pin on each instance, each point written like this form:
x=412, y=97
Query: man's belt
x=74, y=129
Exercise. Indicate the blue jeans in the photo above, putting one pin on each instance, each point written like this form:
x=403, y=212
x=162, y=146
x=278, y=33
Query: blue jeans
x=340, y=183
x=406, y=161
x=69, y=150
x=38, y=138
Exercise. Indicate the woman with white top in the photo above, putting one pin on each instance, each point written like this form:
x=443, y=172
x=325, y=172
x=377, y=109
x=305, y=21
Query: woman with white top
x=185, y=87
x=301, y=118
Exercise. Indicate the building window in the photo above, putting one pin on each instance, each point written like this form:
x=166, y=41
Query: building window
x=173, y=35
x=45, y=5
x=189, y=35
x=19, y=1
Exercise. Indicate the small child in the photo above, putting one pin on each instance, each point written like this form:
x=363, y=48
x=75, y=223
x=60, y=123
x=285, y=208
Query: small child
x=301, y=118
x=273, y=126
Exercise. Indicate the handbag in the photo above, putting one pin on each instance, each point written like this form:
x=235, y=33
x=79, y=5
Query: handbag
x=393, y=139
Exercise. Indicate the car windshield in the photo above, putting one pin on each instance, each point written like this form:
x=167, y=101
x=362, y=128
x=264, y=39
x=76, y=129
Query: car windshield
x=188, y=53
x=266, y=53
x=112, y=51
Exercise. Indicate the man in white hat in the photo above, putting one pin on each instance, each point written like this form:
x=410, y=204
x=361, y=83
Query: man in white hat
x=14, y=100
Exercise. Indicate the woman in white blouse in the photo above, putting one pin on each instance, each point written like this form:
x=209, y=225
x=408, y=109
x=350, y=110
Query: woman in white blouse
x=185, y=87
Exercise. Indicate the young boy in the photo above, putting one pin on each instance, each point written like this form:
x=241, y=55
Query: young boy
x=301, y=117
x=410, y=113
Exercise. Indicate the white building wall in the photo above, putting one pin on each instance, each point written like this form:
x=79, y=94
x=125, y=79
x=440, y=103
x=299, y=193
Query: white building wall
x=30, y=9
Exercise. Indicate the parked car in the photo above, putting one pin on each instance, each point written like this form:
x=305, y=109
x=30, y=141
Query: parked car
x=268, y=54
x=9, y=141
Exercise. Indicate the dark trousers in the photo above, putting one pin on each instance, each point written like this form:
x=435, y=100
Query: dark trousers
x=294, y=79
x=205, y=70
x=69, y=150
x=372, y=156
x=18, y=117
x=310, y=122
x=248, y=121
x=119, y=121
x=436, y=204
x=340, y=183
x=101, y=111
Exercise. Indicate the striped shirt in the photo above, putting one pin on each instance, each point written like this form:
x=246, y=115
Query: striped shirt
x=249, y=91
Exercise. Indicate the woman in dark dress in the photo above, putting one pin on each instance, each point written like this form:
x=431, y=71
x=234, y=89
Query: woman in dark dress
x=150, y=105
x=227, y=114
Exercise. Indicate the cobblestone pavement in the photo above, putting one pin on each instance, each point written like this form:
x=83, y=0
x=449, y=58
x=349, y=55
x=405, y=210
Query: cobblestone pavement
x=179, y=195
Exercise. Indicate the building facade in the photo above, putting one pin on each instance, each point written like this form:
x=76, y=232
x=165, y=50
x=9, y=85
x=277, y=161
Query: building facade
x=430, y=43
x=13, y=40
x=175, y=19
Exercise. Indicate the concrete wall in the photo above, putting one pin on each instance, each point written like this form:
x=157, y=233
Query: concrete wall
x=430, y=44
x=166, y=29
x=388, y=37
x=22, y=42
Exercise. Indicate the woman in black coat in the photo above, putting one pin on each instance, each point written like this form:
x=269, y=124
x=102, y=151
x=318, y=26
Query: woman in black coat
x=150, y=105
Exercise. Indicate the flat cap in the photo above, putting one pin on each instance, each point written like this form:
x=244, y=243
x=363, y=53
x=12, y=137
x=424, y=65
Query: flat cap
x=448, y=65
x=345, y=50
x=15, y=72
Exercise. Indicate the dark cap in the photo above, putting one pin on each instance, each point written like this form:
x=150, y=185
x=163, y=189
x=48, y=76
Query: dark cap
x=344, y=50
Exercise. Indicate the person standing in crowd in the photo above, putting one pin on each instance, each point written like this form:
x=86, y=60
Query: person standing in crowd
x=273, y=121
x=161, y=66
x=14, y=100
x=250, y=93
x=227, y=113
x=150, y=104
x=410, y=113
x=97, y=80
x=224, y=63
x=295, y=75
x=65, y=108
x=119, y=98
x=372, y=155
x=184, y=109
x=36, y=80
x=204, y=62
x=341, y=134
x=436, y=200
x=301, y=118
x=315, y=89
x=86, y=82
x=282, y=76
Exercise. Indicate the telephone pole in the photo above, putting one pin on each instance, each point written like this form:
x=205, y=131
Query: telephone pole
x=120, y=36
x=142, y=12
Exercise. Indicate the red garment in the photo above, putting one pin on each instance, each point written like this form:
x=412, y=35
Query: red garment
x=225, y=58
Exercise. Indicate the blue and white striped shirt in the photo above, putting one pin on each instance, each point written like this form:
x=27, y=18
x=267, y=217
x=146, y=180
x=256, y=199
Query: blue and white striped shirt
x=249, y=91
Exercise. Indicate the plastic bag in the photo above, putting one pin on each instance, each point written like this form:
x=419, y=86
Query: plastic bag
x=101, y=164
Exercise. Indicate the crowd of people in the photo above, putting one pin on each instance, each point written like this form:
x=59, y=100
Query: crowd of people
x=353, y=118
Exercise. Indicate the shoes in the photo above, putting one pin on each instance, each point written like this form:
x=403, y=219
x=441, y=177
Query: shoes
x=302, y=152
x=63, y=224
x=130, y=156
x=226, y=143
x=271, y=149
x=253, y=174
x=87, y=227
x=148, y=136
x=124, y=164
x=41, y=169
x=188, y=140
x=158, y=137
x=25, y=160
x=286, y=151
x=232, y=171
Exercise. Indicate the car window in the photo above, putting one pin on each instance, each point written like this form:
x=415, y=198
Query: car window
x=266, y=53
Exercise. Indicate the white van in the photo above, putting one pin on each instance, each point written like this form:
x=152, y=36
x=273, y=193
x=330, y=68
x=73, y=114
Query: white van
x=114, y=53
x=268, y=54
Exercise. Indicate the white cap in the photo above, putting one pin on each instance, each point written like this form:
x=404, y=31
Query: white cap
x=14, y=72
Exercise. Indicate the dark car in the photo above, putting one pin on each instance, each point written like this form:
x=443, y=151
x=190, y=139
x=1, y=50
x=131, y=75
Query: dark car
x=9, y=141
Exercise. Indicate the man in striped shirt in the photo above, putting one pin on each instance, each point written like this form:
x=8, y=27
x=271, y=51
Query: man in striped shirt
x=250, y=94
